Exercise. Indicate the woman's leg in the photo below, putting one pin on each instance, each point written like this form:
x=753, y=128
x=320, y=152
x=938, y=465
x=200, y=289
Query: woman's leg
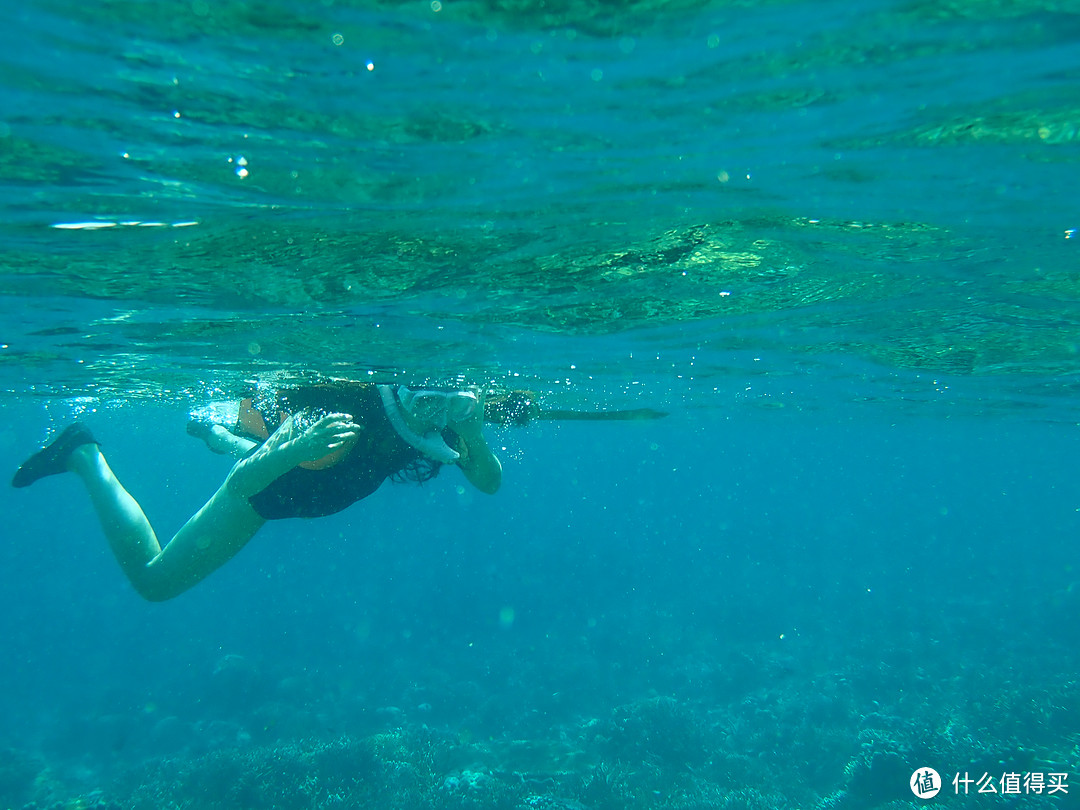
x=216, y=532
x=219, y=440
x=206, y=542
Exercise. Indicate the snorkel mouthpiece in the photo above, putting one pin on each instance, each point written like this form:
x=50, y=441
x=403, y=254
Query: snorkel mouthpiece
x=421, y=405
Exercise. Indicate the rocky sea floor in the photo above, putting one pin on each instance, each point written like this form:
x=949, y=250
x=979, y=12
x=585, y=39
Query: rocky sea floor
x=752, y=731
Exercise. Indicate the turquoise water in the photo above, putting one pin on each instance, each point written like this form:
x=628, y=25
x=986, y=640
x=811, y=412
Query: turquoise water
x=835, y=242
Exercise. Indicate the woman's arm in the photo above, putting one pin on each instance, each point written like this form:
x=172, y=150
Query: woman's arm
x=220, y=440
x=289, y=446
x=481, y=467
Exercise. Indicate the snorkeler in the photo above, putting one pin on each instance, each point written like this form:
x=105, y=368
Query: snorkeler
x=305, y=452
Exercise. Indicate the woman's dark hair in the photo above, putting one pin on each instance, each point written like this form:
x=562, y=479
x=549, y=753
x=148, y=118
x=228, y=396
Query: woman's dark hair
x=419, y=470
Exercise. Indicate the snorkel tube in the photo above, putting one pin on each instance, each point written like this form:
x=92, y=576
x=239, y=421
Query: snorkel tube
x=431, y=444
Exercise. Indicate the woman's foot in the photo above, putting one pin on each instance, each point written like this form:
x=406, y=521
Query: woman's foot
x=53, y=460
x=200, y=428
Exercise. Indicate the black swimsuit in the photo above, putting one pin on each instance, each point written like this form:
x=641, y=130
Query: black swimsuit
x=379, y=453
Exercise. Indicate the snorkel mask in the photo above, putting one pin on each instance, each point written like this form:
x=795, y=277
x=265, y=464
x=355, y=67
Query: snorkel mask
x=435, y=410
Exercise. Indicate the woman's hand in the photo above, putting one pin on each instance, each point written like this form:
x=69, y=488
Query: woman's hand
x=296, y=441
x=481, y=467
x=472, y=427
x=303, y=442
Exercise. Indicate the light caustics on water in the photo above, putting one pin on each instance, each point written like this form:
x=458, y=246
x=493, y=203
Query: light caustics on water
x=755, y=192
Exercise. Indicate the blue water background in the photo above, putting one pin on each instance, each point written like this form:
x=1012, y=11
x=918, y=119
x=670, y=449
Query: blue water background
x=902, y=537
x=715, y=560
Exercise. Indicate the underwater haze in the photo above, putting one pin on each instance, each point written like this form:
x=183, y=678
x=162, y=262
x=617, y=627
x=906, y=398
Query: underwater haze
x=834, y=242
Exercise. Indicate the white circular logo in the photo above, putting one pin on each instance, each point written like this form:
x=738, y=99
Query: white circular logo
x=925, y=783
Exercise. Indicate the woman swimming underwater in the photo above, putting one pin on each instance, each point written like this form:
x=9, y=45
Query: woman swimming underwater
x=303, y=452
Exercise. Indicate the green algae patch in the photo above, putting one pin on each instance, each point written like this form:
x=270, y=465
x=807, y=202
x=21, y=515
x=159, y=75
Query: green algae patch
x=984, y=10
x=1051, y=127
x=278, y=294
x=23, y=160
x=182, y=20
x=599, y=18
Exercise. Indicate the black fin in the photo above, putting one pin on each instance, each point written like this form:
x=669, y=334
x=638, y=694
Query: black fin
x=53, y=459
